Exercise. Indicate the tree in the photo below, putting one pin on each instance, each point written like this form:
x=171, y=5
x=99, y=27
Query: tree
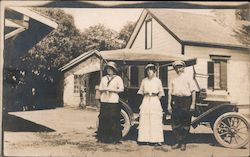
x=242, y=33
x=100, y=37
x=47, y=56
x=126, y=32
x=42, y=62
x=67, y=42
x=243, y=14
x=57, y=48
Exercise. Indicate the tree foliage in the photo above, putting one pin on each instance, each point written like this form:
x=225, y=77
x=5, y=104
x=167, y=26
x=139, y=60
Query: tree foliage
x=67, y=42
x=58, y=47
x=126, y=32
x=100, y=37
x=242, y=33
x=243, y=14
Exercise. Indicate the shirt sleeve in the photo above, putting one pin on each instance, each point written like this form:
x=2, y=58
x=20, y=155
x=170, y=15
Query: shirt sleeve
x=192, y=85
x=160, y=88
x=141, y=90
x=120, y=85
x=102, y=85
x=170, y=88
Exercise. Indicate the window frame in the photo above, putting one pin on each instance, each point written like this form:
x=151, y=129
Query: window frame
x=219, y=59
x=77, y=83
x=146, y=34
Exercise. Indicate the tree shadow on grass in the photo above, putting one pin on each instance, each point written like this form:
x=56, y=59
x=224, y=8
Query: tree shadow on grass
x=17, y=124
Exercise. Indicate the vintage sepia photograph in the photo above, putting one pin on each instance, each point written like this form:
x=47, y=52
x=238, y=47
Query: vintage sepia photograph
x=125, y=78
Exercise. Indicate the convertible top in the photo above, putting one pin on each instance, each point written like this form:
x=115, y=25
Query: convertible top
x=139, y=57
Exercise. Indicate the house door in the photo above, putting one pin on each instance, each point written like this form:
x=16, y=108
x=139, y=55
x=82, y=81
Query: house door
x=93, y=80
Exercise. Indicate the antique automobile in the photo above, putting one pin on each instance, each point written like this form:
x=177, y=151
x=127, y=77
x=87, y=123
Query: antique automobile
x=230, y=128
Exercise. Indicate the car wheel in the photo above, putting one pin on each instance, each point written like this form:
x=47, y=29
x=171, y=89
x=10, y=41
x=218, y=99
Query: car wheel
x=125, y=123
x=231, y=130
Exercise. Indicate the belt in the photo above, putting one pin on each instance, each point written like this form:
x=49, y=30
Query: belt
x=152, y=94
x=181, y=96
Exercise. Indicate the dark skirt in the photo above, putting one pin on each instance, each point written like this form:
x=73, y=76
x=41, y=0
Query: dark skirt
x=181, y=117
x=109, y=129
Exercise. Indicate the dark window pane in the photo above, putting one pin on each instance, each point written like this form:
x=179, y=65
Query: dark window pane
x=210, y=66
x=134, y=76
x=163, y=75
x=224, y=75
x=148, y=35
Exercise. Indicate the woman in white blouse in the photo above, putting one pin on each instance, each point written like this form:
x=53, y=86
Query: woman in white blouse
x=150, y=122
x=109, y=129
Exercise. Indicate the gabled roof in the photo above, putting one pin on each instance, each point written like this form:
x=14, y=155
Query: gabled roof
x=190, y=28
x=36, y=16
x=78, y=60
x=16, y=28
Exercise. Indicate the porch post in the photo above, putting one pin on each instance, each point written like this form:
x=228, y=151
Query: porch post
x=158, y=70
x=101, y=68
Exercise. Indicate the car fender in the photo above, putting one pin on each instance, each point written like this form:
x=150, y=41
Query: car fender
x=213, y=113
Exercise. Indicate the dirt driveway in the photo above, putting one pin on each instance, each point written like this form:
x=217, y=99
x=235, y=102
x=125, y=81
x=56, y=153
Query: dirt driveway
x=70, y=132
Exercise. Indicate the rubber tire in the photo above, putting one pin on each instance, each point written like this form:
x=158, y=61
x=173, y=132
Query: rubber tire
x=225, y=115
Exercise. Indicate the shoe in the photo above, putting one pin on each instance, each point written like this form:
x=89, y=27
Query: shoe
x=142, y=143
x=183, y=147
x=117, y=142
x=158, y=144
x=176, y=146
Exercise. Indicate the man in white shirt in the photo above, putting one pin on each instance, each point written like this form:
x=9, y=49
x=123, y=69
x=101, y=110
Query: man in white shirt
x=181, y=100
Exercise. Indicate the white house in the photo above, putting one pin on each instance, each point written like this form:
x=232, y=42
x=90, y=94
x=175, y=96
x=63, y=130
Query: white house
x=220, y=55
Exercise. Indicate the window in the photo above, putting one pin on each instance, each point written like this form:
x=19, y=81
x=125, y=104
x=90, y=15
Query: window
x=217, y=73
x=77, y=83
x=148, y=34
x=163, y=75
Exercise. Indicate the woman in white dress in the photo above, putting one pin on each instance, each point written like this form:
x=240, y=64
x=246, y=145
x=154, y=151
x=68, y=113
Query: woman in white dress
x=150, y=122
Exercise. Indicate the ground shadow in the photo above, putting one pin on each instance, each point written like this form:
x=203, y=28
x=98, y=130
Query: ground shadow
x=169, y=139
x=18, y=124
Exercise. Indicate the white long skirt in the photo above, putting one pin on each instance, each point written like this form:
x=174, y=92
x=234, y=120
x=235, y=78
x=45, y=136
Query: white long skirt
x=150, y=122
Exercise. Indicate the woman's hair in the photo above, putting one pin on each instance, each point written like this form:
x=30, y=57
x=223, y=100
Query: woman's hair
x=150, y=68
x=105, y=72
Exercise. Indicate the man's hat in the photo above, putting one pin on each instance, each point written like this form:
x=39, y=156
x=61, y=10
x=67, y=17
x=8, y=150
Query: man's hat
x=150, y=66
x=113, y=65
x=176, y=63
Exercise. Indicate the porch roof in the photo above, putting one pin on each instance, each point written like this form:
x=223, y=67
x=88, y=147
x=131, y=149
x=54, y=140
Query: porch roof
x=78, y=60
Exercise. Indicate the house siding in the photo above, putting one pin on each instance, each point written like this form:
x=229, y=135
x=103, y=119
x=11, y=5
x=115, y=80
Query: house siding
x=69, y=97
x=162, y=41
x=237, y=75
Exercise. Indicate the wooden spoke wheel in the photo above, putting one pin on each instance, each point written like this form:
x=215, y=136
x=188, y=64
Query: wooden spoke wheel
x=125, y=123
x=232, y=130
